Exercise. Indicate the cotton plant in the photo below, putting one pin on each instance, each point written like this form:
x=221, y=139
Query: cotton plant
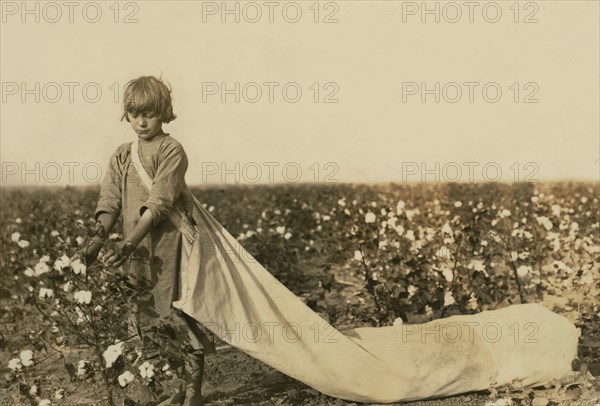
x=87, y=305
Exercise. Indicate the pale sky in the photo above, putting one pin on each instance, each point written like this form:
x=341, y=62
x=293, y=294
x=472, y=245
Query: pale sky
x=376, y=61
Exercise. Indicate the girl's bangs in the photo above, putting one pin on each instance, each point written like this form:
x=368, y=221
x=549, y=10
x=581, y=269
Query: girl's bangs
x=141, y=100
x=148, y=95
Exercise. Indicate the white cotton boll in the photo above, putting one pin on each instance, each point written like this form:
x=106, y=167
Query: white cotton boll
x=62, y=262
x=400, y=207
x=523, y=271
x=358, y=255
x=46, y=293
x=78, y=267
x=428, y=311
x=125, y=378
x=370, y=217
x=448, y=274
x=146, y=370
x=83, y=296
x=15, y=237
x=15, y=364
x=41, y=268
x=112, y=353
x=26, y=357
x=68, y=286
x=449, y=299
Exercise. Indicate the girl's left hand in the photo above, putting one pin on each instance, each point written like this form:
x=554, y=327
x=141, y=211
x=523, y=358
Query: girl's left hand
x=119, y=255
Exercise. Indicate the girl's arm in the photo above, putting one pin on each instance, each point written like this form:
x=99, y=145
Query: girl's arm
x=142, y=228
x=108, y=207
x=168, y=182
x=167, y=185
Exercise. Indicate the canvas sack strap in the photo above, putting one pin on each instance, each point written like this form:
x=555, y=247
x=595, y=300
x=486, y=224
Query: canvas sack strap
x=176, y=215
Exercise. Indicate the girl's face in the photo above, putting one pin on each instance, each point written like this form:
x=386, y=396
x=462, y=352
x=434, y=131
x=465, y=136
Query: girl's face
x=147, y=125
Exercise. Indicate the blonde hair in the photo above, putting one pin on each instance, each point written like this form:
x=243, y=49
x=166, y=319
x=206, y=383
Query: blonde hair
x=148, y=94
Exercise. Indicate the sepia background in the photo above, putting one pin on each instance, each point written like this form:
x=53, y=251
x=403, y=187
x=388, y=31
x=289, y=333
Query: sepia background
x=361, y=55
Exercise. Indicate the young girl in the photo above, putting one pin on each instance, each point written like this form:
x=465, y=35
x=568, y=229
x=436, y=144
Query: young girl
x=152, y=245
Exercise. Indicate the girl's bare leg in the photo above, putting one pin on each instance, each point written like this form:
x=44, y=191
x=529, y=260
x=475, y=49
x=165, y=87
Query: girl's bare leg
x=194, y=372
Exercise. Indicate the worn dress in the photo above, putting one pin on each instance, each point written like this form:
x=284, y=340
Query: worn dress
x=158, y=256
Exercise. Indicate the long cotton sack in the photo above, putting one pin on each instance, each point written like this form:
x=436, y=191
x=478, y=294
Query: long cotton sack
x=228, y=291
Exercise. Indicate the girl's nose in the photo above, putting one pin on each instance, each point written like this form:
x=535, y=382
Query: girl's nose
x=142, y=122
